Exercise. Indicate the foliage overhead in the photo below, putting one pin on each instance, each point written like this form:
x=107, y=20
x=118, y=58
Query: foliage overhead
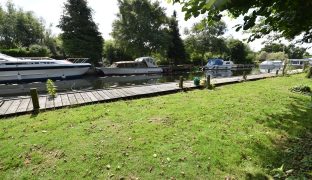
x=176, y=50
x=141, y=27
x=80, y=36
x=289, y=18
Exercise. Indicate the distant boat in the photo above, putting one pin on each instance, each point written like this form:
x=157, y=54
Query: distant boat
x=142, y=65
x=218, y=64
x=270, y=66
x=15, y=69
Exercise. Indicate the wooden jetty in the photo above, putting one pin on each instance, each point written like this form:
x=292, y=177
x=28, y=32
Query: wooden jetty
x=22, y=105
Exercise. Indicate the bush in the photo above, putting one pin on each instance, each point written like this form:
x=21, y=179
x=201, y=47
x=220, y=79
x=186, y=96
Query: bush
x=33, y=51
x=20, y=52
x=36, y=50
x=303, y=89
x=51, y=88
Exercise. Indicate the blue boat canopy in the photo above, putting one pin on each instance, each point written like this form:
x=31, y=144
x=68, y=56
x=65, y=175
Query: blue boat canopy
x=215, y=62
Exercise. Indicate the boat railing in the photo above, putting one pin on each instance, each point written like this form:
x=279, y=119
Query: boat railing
x=35, y=58
x=78, y=60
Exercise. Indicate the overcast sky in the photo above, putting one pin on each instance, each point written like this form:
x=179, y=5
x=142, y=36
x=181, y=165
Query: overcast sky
x=105, y=13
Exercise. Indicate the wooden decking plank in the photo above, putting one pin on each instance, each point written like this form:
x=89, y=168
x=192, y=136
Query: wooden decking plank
x=127, y=93
x=30, y=106
x=127, y=90
x=58, y=101
x=136, y=91
x=42, y=102
x=49, y=103
x=103, y=95
x=65, y=100
x=92, y=97
x=5, y=106
x=85, y=97
x=121, y=94
x=72, y=99
x=106, y=92
x=113, y=94
x=97, y=95
x=23, y=106
x=79, y=98
x=14, y=106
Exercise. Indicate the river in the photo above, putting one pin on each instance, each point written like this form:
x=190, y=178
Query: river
x=95, y=82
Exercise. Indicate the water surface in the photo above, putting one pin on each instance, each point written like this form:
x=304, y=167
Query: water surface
x=94, y=82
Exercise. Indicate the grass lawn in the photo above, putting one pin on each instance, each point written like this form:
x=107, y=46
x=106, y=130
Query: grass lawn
x=242, y=131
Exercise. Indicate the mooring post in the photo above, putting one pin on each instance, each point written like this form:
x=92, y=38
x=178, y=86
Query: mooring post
x=181, y=82
x=35, y=100
x=208, y=86
x=244, y=76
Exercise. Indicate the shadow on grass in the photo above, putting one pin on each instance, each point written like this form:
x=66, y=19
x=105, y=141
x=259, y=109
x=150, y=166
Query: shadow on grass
x=292, y=154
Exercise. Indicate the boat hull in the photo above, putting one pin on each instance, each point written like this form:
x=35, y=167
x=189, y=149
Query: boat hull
x=218, y=67
x=130, y=71
x=41, y=74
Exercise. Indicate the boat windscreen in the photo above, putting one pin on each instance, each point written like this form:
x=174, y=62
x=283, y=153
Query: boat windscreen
x=215, y=62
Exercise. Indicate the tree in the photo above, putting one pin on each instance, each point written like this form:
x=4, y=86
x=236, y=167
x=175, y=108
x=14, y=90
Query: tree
x=238, y=52
x=176, y=51
x=295, y=52
x=140, y=27
x=289, y=18
x=80, y=36
x=204, y=38
x=19, y=28
x=262, y=56
x=274, y=47
x=277, y=56
x=113, y=53
x=292, y=51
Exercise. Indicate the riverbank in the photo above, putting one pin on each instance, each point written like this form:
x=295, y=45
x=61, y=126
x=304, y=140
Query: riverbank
x=242, y=131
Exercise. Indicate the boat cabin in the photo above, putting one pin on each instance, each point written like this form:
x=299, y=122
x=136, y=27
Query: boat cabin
x=129, y=64
x=142, y=62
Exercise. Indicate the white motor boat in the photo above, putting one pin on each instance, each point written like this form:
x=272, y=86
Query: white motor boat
x=142, y=65
x=270, y=66
x=15, y=69
x=218, y=64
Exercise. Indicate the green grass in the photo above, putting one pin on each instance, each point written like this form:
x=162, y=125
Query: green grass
x=243, y=131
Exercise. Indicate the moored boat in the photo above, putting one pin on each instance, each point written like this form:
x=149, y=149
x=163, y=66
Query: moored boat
x=15, y=69
x=270, y=66
x=142, y=65
x=218, y=64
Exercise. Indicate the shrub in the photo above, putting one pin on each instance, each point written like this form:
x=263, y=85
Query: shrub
x=51, y=88
x=33, y=51
x=303, y=89
x=36, y=50
x=18, y=52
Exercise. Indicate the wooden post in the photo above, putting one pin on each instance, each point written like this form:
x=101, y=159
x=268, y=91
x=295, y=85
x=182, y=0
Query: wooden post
x=277, y=71
x=269, y=70
x=208, y=86
x=181, y=82
x=35, y=100
x=244, y=76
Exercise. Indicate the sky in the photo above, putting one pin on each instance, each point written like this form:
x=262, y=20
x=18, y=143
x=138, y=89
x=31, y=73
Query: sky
x=104, y=13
